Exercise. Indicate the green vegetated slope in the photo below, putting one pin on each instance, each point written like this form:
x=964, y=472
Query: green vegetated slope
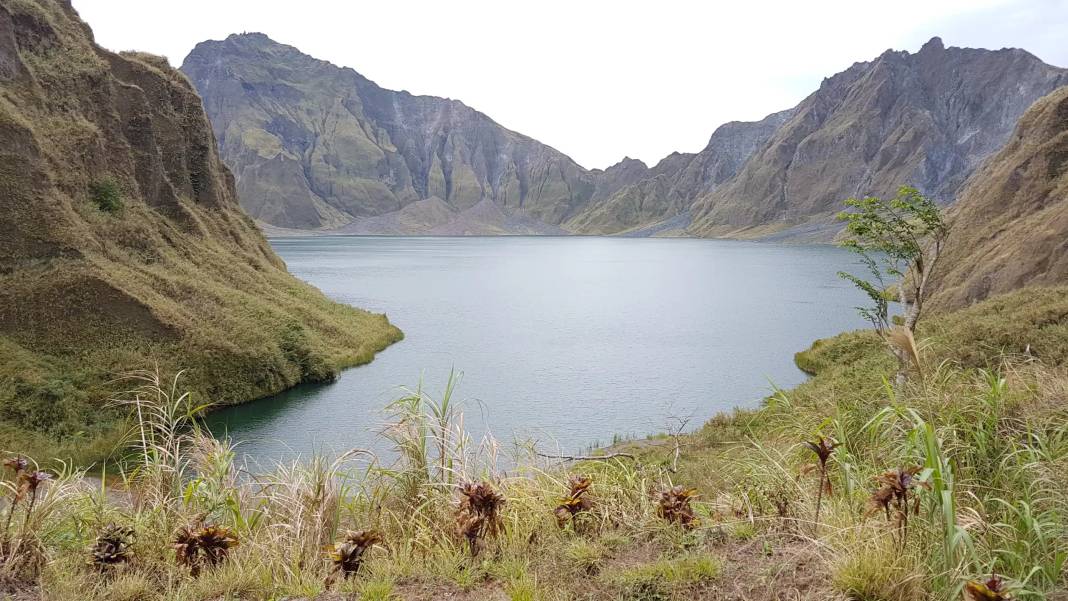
x=123, y=246
x=991, y=393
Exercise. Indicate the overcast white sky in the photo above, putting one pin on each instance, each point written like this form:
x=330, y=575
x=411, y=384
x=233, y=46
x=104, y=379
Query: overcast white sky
x=595, y=79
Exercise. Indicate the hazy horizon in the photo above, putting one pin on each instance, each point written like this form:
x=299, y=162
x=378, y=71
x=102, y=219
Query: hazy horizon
x=595, y=83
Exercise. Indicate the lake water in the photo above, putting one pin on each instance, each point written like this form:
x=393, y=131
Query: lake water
x=567, y=341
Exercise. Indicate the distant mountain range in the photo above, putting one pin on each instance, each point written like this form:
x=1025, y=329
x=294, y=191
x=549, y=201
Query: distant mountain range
x=319, y=147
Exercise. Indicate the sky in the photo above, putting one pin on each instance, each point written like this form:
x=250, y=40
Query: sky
x=595, y=79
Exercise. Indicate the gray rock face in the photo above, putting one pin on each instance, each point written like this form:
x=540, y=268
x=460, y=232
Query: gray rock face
x=927, y=119
x=668, y=189
x=317, y=146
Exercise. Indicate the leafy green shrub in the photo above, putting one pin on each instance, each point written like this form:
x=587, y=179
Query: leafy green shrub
x=106, y=195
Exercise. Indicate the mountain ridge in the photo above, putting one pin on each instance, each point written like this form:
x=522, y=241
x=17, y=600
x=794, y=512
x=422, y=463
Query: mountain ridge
x=927, y=119
x=404, y=148
x=320, y=147
x=389, y=149
x=1008, y=230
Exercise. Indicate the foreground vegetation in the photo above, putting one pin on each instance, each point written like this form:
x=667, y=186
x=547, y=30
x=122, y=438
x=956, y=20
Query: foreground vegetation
x=922, y=492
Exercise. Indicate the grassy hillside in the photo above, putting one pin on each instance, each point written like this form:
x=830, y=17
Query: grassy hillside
x=1009, y=222
x=984, y=426
x=124, y=248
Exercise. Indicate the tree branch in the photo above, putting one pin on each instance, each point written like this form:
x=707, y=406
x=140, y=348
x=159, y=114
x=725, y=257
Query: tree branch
x=586, y=457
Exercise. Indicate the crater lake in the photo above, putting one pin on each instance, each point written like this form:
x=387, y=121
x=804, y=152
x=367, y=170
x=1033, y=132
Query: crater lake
x=569, y=342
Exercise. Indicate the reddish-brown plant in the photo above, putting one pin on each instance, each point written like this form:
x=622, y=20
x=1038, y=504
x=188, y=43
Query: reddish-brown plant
x=823, y=448
x=673, y=505
x=992, y=589
x=896, y=497
x=348, y=555
x=478, y=514
x=18, y=465
x=112, y=547
x=576, y=500
x=197, y=546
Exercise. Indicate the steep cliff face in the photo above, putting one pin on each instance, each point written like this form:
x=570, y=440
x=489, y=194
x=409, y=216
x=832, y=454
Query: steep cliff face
x=1010, y=226
x=926, y=119
x=124, y=246
x=668, y=189
x=317, y=146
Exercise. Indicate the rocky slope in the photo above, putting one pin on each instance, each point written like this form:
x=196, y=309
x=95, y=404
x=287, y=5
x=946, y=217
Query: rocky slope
x=315, y=146
x=1010, y=226
x=124, y=246
x=668, y=189
x=318, y=146
x=927, y=119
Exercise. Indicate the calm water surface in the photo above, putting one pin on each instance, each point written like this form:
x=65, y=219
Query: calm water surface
x=568, y=341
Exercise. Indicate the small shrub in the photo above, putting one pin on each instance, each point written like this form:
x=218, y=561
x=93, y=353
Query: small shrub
x=132, y=587
x=575, y=502
x=877, y=572
x=107, y=195
x=197, y=546
x=112, y=547
x=377, y=590
x=893, y=497
x=657, y=580
x=743, y=530
x=522, y=589
x=348, y=555
x=584, y=555
x=506, y=569
x=673, y=505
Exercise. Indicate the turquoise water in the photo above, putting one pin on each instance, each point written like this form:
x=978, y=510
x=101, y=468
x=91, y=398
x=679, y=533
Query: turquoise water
x=566, y=341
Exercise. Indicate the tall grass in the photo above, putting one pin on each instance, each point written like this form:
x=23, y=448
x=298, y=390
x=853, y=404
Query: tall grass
x=163, y=413
x=990, y=442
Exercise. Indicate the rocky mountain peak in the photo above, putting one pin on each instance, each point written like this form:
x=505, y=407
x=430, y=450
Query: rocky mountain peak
x=927, y=119
x=314, y=145
x=318, y=146
x=933, y=45
x=626, y=164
